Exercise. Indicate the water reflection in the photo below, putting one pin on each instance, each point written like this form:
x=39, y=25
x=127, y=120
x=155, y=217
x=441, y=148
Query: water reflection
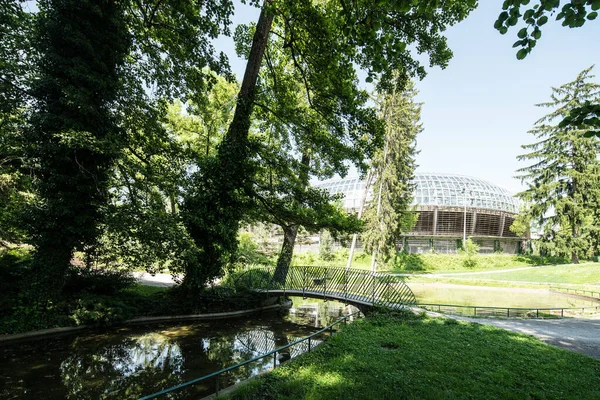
x=129, y=363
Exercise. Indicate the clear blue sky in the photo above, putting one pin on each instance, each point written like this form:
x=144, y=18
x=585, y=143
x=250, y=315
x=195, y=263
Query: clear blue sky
x=478, y=110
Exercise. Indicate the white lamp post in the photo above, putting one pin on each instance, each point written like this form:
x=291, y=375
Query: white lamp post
x=464, y=191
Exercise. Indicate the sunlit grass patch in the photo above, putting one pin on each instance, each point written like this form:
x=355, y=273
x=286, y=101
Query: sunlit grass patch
x=430, y=359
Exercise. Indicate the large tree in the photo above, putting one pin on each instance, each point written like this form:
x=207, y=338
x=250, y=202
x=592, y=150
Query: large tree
x=102, y=68
x=326, y=42
x=563, y=183
x=82, y=44
x=15, y=69
x=389, y=214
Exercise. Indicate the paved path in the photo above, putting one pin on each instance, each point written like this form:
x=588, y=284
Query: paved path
x=163, y=280
x=575, y=334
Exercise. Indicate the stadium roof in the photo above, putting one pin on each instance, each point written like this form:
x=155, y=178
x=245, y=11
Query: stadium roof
x=433, y=189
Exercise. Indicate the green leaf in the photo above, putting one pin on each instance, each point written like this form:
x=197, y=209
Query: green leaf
x=517, y=43
x=503, y=16
x=524, y=2
x=522, y=33
x=528, y=14
x=497, y=24
x=543, y=19
x=596, y=5
x=512, y=21
x=592, y=16
x=521, y=54
x=590, y=134
x=503, y=30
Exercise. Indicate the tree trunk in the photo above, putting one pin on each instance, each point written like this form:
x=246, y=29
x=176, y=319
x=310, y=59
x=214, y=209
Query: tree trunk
x=240, y=125
x=231, y=177
x=287, y=251
x=290, y=232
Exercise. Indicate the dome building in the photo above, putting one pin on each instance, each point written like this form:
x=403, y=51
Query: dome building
x=442, y=201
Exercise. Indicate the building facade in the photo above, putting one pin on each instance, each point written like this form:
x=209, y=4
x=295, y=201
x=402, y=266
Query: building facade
x=443, y=203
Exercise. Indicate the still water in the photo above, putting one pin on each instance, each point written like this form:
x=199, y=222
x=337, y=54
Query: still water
x=130, y=362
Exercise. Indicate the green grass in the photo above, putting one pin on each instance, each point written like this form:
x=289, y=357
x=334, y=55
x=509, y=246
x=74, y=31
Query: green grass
x=427, y=263
x=577, y=274
x=393, y=358
x=145, y=290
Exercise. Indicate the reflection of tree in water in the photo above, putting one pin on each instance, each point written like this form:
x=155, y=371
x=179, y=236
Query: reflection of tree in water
x=242, y=346
x=127, y=365
x=122, y=370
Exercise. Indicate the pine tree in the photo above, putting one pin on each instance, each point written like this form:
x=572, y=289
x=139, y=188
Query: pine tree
x=388, y=214
x=563, y=183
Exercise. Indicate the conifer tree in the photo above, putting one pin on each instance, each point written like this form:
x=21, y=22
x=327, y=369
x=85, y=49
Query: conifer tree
x=563, y=181
x=388, y=214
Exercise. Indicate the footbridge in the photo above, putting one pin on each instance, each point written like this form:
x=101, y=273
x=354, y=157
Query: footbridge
x=360, y=288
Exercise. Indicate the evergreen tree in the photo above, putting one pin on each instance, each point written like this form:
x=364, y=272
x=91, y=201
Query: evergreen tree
x=388, y=214
x=563, y=183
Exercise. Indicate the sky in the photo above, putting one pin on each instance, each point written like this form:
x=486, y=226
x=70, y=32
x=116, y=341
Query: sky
x=477, y=111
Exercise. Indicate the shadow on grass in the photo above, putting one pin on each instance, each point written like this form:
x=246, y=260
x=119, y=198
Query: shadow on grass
x=426, y=358
x=541, y=260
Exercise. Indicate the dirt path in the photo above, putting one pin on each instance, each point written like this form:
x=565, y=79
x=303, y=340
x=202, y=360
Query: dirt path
x=575, y=334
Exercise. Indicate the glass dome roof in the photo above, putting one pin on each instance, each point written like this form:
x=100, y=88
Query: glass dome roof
x=435, y=190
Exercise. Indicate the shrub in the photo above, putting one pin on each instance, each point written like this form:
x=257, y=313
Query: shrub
x=470, y=251
x=100, y=282
x=326, y=247
x=100, y=310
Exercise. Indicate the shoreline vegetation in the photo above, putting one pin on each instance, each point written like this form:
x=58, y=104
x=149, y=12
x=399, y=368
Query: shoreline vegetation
x=105, y=297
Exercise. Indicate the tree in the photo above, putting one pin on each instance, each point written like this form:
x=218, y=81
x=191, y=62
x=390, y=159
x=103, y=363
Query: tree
x=573, y=14
x=389, y=213
x=99, y=67
x=564, y=179
x=15, y=70
x=82, y=44
x=377, y=38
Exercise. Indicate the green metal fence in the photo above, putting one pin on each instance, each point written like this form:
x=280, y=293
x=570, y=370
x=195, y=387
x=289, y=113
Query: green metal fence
x=306, y=342
x=510, y=312
x=580, y=292
x=345, y=284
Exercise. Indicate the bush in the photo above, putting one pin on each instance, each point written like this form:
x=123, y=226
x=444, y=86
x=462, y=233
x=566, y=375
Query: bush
x=243, y=280
x=470, y=251
x=409, y=262
x=100, y=282
x=326, y=247
x=100, y=310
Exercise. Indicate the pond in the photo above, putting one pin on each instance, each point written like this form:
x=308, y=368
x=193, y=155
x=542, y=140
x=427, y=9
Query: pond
x=130, y=362
x=440, y=293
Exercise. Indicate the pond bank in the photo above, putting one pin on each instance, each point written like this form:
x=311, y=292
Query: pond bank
x=67, y=330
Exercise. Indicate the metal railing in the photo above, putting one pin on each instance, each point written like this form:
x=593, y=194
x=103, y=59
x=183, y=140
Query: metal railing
x=510, y=312
x=587, y=293
x=345, y=284
x=272, y=353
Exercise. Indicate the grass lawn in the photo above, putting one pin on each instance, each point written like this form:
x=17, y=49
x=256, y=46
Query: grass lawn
x=425, y=358
x=427, y=263
x=579, y=274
